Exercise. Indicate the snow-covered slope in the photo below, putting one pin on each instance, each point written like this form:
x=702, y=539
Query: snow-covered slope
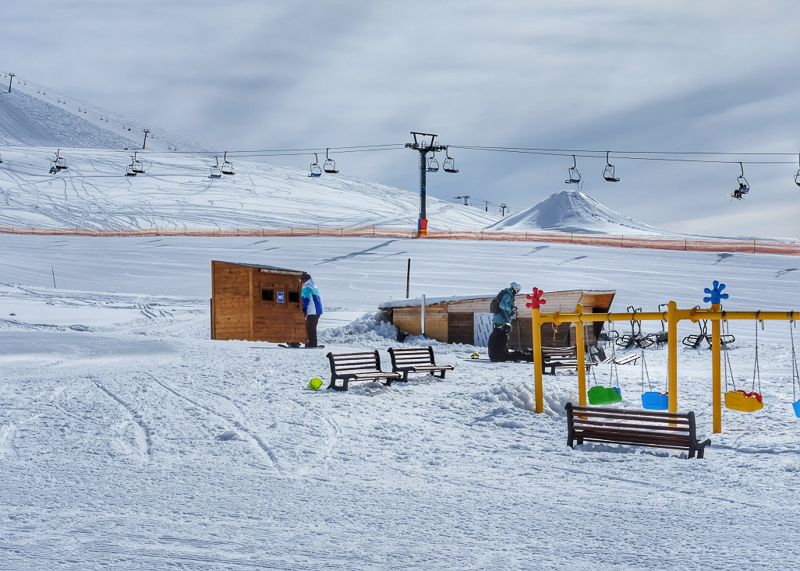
x=33, y=115
x=176, y=191
x=573, y=211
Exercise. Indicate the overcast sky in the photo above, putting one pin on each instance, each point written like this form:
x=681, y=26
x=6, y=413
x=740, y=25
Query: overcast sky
x=620, y=75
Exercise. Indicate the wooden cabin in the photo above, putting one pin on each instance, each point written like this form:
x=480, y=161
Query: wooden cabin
x=468, y=320
x=252, y=302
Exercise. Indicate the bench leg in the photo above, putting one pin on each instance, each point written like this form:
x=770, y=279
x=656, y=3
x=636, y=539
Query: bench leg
x=333, y=384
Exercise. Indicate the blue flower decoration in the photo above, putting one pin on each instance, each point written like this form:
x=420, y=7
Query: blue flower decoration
x=715, y=294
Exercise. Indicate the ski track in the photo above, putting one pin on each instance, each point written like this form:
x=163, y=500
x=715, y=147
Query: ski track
x=144, y=441
x=260, y=444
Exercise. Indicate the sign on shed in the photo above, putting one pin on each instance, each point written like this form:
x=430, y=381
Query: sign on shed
x=252, y=302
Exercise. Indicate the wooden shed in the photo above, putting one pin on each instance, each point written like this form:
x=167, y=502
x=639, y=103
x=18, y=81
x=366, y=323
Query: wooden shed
x=252, y=302
x=467, y=319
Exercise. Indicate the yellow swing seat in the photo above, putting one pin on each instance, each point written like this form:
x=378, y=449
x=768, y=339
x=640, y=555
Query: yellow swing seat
x=742, y=401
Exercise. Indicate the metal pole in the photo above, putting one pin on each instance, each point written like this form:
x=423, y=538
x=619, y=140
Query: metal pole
x=716, y=380
x=422, y=316
x=672, y=357
x=581, y=348
x=11, y=76
x=408, y=279
x=423, y=213
x=537, y=359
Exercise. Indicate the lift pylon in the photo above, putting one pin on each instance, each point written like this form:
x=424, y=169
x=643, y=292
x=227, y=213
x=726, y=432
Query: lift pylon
x=423, y=146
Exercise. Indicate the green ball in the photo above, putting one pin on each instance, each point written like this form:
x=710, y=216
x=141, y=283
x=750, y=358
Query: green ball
x=315, y=384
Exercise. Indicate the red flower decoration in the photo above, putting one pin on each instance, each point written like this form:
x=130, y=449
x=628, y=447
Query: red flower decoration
x=536, y=299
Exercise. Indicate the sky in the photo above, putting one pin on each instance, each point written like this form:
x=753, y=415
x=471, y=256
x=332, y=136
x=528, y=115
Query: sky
x=622, y=76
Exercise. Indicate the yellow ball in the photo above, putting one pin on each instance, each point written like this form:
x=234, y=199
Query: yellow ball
x=315, y=383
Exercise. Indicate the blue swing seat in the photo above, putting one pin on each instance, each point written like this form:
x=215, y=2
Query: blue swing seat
x=796, y=406
x=653, y=400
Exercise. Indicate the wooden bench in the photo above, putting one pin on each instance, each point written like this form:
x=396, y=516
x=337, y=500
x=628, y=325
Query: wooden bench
x=416, y=360
x=626, y=360
x=633, y=427
x=563, y=358
x=364, y=366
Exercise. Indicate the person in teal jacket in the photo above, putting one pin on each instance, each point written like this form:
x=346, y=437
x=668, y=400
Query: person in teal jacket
x=507, y=308
x=312, y=307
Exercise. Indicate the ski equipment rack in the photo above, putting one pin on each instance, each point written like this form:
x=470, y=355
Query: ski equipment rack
x=609, y=172
x=227, y=166
x=316, y=171
x=573, y=176
x=450, y=163
x=330, y=165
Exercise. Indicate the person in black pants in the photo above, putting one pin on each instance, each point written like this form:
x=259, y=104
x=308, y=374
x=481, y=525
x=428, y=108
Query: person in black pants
x=498, y=346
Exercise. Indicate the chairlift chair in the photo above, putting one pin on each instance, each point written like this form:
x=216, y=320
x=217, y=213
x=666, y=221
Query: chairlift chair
x=609, y=172
x=744, y=187
x=316, y=171
x=227, y=166
x=216, y=172
x=1, y=159
x=433, y=164
x=574, y=176
x=53, y=167
x=330, y=165
x=449, y=162
x=130, y=170
x=60, y=162
x=137, y=166
x=797, y=176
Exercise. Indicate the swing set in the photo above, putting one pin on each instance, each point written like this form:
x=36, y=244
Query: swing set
x=736, y=399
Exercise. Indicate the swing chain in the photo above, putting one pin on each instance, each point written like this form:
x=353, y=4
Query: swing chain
x=727, y=361
x=756, y=368
x=795, y=372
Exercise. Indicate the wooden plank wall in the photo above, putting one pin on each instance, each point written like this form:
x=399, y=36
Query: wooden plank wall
x=231, y=299
x=278, y=322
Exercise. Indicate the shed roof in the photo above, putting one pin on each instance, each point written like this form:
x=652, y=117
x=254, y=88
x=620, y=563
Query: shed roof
x=264, y=267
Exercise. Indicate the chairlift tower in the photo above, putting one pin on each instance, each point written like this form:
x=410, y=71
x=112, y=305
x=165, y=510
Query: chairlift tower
x=423, y=146
x=146, y=132
x=11, y=75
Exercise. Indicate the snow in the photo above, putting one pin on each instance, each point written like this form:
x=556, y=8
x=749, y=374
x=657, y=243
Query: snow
x=139, y=443
x=573, y=211
x=130, y=440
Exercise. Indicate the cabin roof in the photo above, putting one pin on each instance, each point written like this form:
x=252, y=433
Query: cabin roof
x=416, y=302
x=264, y=267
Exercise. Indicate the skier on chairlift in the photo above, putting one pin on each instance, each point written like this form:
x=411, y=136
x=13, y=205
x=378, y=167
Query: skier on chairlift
x=739, y=193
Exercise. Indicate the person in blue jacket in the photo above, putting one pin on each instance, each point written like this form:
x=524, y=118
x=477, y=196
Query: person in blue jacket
x=312, y=307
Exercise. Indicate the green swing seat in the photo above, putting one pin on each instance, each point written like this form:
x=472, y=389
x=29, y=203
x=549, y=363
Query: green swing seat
x=603, y=395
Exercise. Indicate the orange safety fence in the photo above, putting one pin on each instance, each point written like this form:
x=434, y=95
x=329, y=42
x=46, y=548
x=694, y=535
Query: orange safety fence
x=619, y=241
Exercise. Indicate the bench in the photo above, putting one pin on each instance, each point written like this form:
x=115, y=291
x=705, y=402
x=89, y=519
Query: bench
x=633, y=427
x=416, y=360
x=626, y=360
x=363, y=366
x=563, y=358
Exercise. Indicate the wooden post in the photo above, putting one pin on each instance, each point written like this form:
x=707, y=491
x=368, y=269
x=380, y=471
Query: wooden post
x=579, y=336
x=672, y=357
x=716, y=380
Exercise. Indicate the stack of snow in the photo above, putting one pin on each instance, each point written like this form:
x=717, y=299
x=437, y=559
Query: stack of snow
x=573, y=211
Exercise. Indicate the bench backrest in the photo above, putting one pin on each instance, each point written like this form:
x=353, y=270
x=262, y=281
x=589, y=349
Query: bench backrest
x=408, y=357
x=344, y=363
x=636, y=426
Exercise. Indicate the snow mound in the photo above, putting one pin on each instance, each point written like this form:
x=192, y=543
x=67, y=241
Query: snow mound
x=368, y=330
x=573, y=211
